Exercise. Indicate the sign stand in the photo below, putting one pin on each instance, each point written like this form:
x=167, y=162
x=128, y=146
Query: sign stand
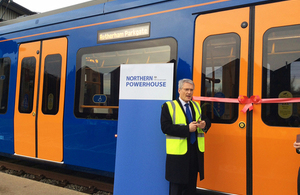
x=141, y=155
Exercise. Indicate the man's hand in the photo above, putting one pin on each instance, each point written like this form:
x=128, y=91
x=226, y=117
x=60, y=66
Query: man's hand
x=201, y=124
x=297, y=145
x=193, y=126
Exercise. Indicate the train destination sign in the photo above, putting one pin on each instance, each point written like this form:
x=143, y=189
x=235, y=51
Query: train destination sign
x=128, y=32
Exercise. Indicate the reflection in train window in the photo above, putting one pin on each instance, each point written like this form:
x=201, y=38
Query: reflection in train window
x=98, y=73
x=4, y=83
x=51, y=88
x=220, y=76
x=281, y=75
x=28, y=66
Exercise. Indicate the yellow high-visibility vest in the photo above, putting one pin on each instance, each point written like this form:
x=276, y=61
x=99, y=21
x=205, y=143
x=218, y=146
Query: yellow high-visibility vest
x=178, y=145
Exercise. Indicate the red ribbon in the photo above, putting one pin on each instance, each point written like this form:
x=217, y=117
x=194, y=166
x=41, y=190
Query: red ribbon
x=255, y=99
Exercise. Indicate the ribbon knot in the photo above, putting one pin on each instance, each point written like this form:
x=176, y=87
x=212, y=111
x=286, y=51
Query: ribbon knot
x=255, y=99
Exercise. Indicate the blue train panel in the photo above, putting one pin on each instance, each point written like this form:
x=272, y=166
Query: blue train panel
x=92, y=66
x=8, y=61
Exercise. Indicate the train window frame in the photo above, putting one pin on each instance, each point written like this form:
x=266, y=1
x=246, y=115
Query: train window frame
x=5, y=65
x=50, y=102
x=208, y=107
x=30, y=97
x=113, y=105
x=285, y=51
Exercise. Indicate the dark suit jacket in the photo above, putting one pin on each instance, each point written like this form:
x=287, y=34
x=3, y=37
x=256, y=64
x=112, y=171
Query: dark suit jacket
x=177, y=166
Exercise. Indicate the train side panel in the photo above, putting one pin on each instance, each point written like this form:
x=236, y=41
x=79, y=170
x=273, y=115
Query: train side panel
x=208, y=41
x=8, y=56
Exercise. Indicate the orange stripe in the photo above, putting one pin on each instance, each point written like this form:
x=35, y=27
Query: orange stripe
x=118, y=20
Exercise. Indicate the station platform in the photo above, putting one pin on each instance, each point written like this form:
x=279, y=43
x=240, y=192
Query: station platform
x=14, y=185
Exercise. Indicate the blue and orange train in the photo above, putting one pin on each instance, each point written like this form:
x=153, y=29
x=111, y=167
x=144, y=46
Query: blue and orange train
x=59, y=83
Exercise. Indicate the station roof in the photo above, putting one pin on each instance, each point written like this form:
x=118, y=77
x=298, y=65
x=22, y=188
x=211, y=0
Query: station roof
x=17, y=8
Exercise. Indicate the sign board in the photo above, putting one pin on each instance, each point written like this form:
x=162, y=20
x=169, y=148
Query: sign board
x=123, y=33
x=141, y=153
x=285, y=110
x=153, y=84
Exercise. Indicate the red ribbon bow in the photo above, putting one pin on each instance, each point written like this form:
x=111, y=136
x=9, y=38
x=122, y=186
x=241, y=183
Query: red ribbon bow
x=249, y=102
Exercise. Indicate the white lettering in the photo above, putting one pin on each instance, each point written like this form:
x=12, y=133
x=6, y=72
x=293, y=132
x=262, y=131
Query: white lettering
x=139, y=30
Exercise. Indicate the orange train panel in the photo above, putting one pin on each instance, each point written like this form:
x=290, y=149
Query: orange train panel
x=50, y=127
x=225, y=155
x=275, y=162
x=24, y=123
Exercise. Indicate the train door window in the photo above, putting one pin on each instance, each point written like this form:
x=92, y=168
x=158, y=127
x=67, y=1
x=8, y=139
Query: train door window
x=51, y=88
x=220, y=70
x=4, y=83
x=28, y=66
x=98, y=73
x=281, y=75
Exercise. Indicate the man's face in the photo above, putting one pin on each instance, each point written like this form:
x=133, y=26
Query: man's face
x=186, y=93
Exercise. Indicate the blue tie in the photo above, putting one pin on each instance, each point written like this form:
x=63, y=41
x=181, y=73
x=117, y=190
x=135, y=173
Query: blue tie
x=190, y=119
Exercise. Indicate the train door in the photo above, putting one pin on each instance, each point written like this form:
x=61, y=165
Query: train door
x=39, y=104
x=220, y=70
x=252, y=152
x=276, y=75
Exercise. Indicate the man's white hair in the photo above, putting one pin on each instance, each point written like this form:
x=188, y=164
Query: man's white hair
x=182, y=81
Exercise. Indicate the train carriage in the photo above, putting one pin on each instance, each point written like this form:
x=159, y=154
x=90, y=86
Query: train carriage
x=59, y=83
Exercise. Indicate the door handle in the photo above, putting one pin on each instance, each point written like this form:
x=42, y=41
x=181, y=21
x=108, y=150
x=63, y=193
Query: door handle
x=33, y=114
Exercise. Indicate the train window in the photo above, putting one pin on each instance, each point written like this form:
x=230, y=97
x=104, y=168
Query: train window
x=220, y=76
x=28, y=66
x=51, y=89
x=98, y=73
x=281, y=75
x=4, y=83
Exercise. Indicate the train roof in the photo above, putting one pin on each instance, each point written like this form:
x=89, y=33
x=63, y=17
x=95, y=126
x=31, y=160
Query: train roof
x=82, y=10
x=97, y=7
x=53, y=12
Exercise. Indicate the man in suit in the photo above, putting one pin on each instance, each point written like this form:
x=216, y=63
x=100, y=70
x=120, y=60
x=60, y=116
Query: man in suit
x=184, y=126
